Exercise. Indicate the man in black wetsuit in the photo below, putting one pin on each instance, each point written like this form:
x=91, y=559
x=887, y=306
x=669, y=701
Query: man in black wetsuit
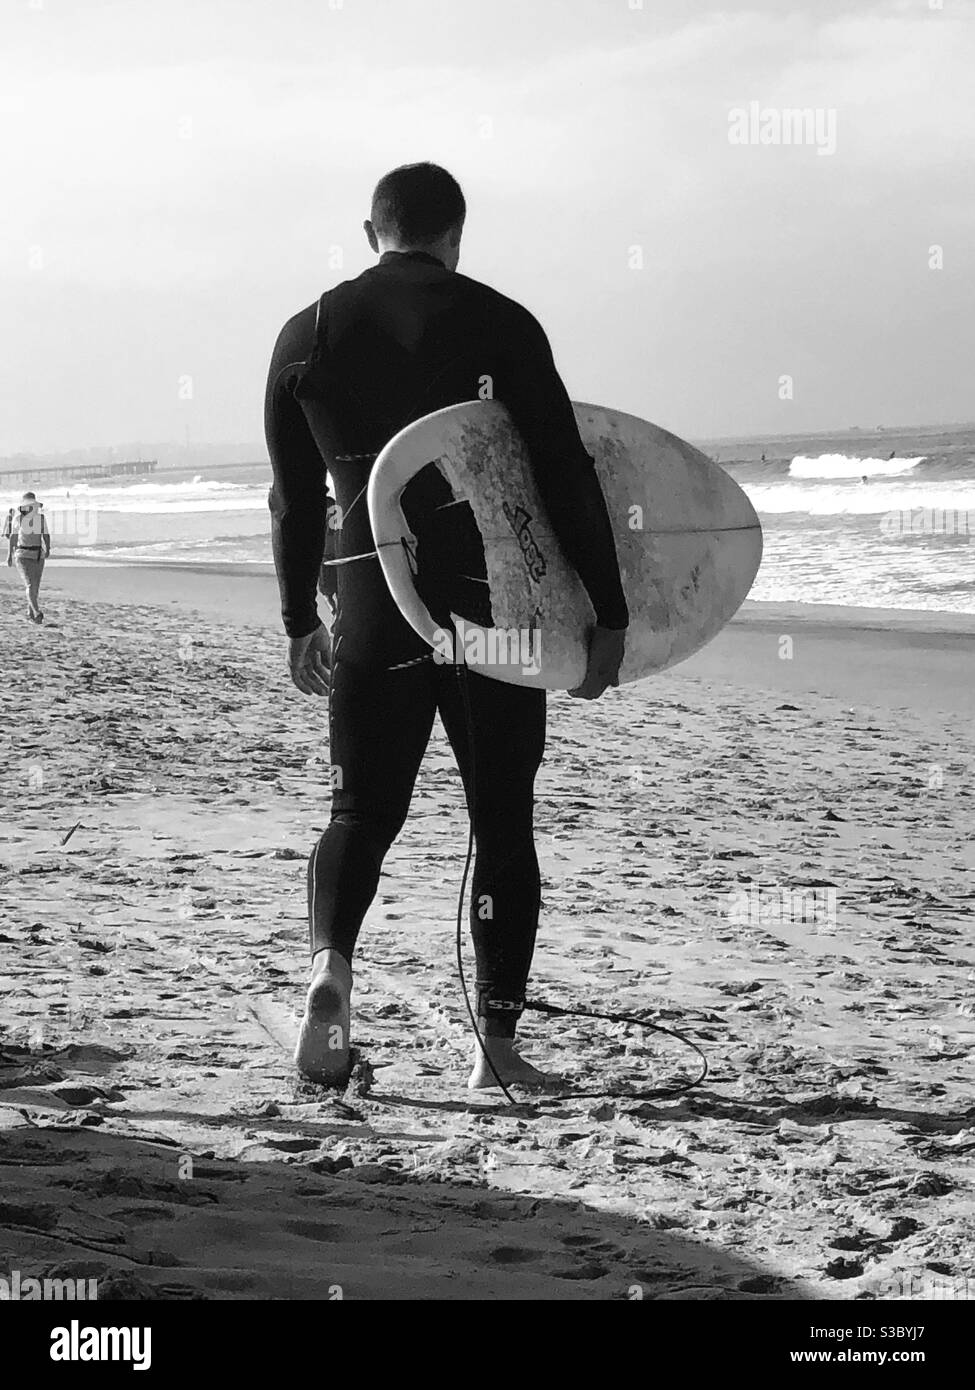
x=407, y=337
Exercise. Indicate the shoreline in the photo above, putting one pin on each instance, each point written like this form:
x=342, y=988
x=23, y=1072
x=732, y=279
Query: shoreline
x=752, y=611
x=890, y=658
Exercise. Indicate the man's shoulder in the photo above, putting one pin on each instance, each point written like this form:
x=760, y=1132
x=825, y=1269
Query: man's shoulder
x=502, y=306
x=297, y=337
x=369, y=279
x=305, y=319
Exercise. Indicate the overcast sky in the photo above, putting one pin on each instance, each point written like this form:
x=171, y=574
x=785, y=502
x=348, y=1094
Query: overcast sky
x=177, y=174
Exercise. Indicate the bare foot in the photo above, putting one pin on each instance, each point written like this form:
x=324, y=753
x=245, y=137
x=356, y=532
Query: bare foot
x=512, y=1069
x=322, y=1053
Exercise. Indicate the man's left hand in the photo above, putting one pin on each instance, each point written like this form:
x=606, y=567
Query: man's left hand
x=606, y=646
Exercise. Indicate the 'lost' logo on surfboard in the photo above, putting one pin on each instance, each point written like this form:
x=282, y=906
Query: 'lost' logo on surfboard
x=520, y=522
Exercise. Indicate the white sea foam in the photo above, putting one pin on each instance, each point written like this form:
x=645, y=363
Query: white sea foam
x=849, y=466
x=157, y=499
x=147, y=496
x=858, y=500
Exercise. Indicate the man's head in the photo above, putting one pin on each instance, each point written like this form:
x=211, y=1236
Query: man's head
x=418, y=207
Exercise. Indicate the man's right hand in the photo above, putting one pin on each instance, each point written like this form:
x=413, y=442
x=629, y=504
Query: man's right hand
x=606, y=647
x=310, y=662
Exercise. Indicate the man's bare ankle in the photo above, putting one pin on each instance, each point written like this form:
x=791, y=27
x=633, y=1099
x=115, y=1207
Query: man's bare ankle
x=331, y=962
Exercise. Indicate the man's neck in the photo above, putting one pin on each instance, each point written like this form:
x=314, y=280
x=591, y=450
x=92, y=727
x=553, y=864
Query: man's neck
x=424, y=252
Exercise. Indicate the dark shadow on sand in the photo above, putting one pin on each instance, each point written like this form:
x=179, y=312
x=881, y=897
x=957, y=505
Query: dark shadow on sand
x=88, y=1203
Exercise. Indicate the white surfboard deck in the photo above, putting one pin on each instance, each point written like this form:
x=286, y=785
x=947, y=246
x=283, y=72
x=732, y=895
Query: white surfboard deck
x=688, y=539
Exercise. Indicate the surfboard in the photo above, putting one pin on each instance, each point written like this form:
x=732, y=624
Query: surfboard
x=688, y=540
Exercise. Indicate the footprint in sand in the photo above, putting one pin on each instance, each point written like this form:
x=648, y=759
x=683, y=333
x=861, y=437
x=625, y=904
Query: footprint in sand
x=316, y=1230
x=514, y=1255
x=588, y=1270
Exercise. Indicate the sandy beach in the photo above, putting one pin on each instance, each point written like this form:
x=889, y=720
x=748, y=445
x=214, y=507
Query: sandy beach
x=164, y=785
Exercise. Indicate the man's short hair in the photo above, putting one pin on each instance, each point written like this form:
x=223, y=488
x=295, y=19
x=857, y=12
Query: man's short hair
x=417, y=203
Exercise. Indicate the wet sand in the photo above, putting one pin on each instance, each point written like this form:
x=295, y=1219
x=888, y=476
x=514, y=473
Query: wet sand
x=886, y=656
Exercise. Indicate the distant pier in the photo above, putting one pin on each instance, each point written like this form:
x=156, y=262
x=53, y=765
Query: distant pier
x=49, y=473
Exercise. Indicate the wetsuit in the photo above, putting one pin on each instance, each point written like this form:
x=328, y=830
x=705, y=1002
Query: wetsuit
x=405, y=338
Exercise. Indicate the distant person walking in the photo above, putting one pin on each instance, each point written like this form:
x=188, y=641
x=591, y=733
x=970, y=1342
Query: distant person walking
x=28, y=546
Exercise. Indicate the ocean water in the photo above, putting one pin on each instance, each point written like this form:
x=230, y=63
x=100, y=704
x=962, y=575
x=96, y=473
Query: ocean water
x=872, y=518
x=875, y=519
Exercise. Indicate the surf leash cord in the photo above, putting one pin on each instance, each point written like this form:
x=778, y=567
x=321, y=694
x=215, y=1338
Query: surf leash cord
x=538, y=1005
x=557, y=1011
